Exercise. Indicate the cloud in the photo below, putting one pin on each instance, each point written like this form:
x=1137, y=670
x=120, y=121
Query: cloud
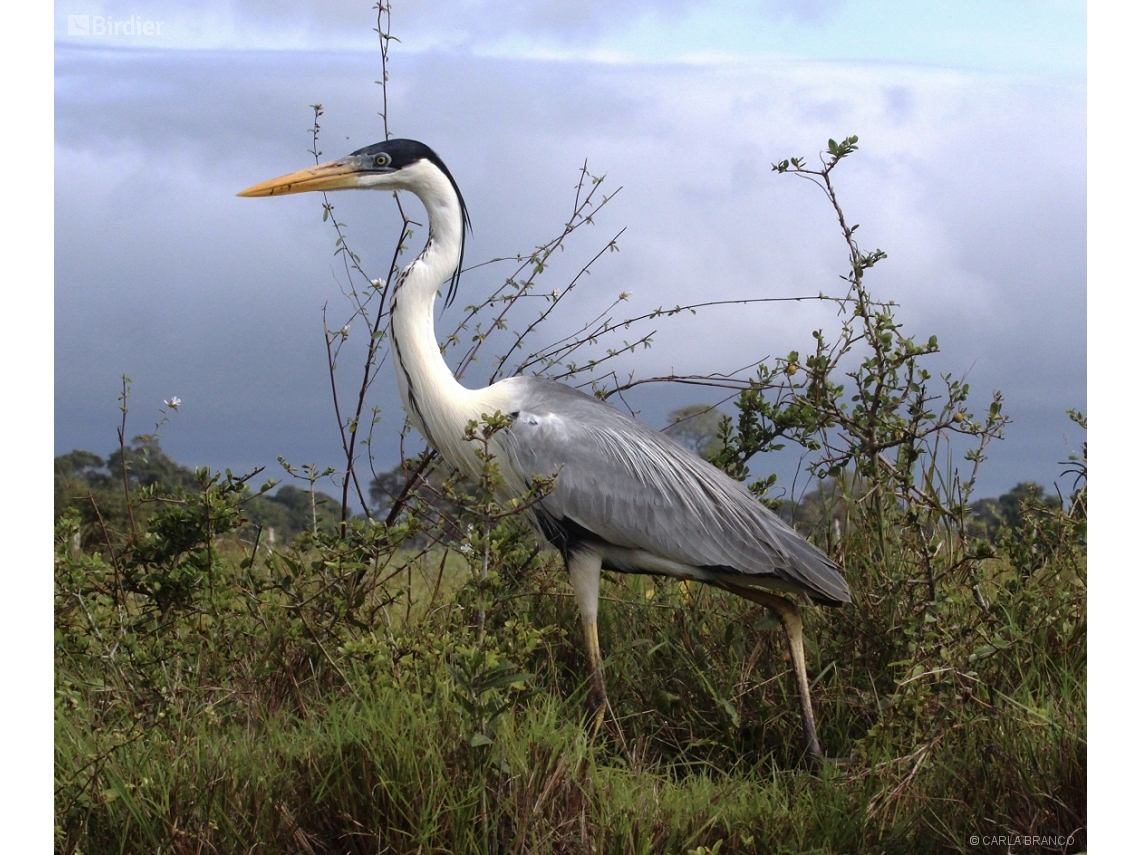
x=1022, y=35
x=973, y=183
x=808, y=11
x=309, y=24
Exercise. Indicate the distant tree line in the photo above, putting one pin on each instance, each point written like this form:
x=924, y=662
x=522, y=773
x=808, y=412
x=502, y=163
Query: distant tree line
x=94, y=487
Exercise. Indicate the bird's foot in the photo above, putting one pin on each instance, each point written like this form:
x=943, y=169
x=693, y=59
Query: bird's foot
x=596, y=704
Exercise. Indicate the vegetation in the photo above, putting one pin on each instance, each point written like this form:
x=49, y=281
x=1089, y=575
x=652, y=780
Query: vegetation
x=352, y=695
x=412, y=680
x=91, y=489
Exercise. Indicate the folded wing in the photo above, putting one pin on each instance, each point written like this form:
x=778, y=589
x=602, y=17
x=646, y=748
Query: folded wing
x=634, y=488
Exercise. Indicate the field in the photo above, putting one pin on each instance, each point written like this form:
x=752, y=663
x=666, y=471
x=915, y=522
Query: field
x=346, y=696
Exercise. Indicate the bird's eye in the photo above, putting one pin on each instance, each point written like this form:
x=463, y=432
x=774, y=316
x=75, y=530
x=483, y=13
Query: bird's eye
x=383, y=160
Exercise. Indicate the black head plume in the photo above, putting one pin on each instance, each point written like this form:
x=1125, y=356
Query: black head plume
x=402, y=153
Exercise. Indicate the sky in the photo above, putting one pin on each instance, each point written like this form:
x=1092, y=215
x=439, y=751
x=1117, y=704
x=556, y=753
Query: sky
x=971, y=175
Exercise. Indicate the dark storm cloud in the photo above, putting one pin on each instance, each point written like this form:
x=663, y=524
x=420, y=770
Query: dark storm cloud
x=974, y=185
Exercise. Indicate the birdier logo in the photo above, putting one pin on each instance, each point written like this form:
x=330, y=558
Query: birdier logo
x=105, y=25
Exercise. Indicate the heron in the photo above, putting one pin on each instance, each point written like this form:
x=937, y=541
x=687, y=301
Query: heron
x=625, y=497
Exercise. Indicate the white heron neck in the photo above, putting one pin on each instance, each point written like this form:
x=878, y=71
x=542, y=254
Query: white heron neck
x=435, y=401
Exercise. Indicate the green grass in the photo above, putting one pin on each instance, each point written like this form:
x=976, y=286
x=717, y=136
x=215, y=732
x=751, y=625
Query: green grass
x=265, y=720
x=390, y=772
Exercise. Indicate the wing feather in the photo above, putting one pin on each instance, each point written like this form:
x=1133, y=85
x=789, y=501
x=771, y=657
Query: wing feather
x=637, y=489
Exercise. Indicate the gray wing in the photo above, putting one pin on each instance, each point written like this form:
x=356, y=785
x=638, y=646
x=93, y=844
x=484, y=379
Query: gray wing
x=632, y=487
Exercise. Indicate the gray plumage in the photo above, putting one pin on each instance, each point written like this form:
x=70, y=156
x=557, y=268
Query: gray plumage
x=636, y=495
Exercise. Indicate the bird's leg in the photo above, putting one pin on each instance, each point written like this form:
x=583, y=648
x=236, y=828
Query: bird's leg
x=789, y=616
x=793, y=624
x=596, y=700
x=585, y=574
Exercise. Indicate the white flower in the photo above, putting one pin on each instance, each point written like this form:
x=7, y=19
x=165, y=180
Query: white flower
x=466, y=548
x=174, y=403
x=344, y=331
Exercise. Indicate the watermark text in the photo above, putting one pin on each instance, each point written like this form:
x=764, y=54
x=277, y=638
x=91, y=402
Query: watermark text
x=1010, y=840
x=105, y=25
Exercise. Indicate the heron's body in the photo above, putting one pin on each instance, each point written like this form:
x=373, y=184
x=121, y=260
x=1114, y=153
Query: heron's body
x=644, y=504
x=626, y=497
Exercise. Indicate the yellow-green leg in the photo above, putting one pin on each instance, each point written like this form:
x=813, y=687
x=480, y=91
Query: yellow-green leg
x=596, y=700
x=793, y=624
x=585, y=575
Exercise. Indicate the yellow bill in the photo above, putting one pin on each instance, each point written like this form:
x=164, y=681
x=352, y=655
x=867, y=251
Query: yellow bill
x=340, y=174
